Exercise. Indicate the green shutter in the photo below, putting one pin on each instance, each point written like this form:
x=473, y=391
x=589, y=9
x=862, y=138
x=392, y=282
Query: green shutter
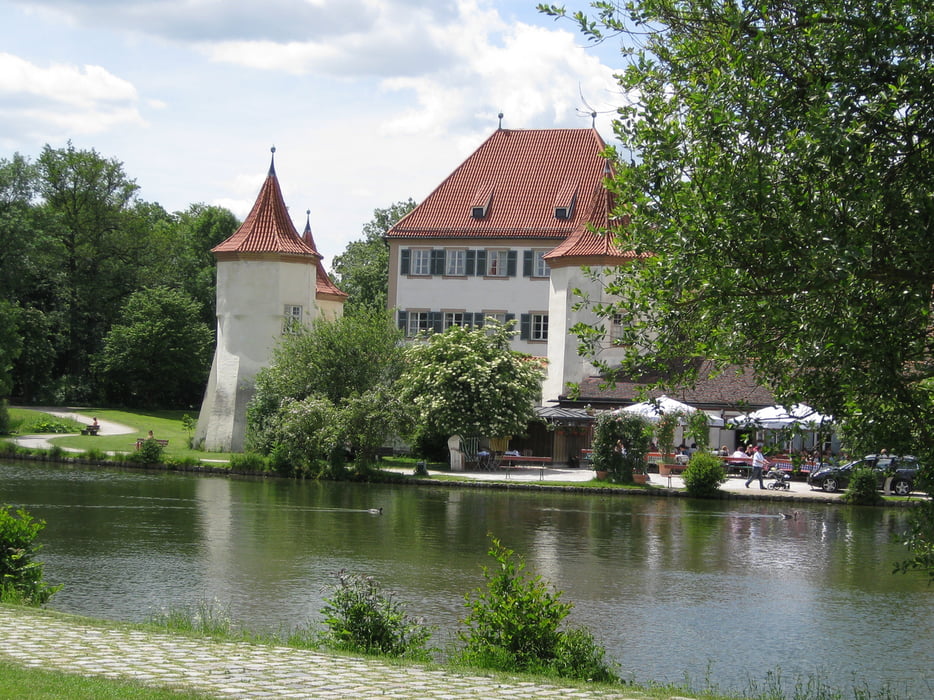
x=437, y=262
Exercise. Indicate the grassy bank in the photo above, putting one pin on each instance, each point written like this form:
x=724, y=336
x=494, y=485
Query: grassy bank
x=20, y=682
x=38, y=684
x=165, y=425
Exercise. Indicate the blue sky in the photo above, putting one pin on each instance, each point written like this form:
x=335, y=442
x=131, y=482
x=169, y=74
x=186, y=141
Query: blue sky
x=367, y=101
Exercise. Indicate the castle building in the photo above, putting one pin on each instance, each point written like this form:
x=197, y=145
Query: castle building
x=505, y=236
x=268, y=278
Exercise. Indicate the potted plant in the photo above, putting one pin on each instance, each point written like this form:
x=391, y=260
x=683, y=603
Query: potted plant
x=620, y=445
x=665, y=431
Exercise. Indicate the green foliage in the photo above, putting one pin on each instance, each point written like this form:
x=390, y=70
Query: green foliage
x=328, y=391
x=668, y=422
x=704, y=474
x=149, y=452
x=360, y=617
x=158, y=353
x=249, y=462
x=363, y=268
x=776, y=168
x=20, y=575
x=47, y=425
x=621, y=442
x=11, y=344
x=469, y=382
x=207, y=618
x=75, y=243
x=698, y=429
x=515, y=625
x=862, y=490
x=188, y=237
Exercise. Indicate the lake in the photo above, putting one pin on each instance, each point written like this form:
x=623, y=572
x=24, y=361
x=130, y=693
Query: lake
x=673, y=588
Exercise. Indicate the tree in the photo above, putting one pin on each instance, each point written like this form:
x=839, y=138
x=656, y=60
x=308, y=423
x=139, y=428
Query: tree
x=780, y=185
x=182, y=253
x=159, y=351
x=470, y=382
x=96, y=241
x=328, y=387
x=10, y=344
x=363, y=268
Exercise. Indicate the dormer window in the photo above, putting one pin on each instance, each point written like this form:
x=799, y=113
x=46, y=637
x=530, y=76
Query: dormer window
x=564, y=201
x=480, y=206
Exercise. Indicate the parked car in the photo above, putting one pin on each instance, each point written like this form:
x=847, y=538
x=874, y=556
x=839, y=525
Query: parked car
x=902, y=470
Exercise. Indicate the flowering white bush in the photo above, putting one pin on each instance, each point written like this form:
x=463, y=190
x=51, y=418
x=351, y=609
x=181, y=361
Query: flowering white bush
x=470, y=382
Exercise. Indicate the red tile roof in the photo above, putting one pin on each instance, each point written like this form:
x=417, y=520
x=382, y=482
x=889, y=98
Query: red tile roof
x=268, y=228
x=523, y=175
x=588, y=247
x=324, y=285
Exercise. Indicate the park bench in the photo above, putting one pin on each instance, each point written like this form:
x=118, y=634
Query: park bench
x=140, y=441
x=520, y=460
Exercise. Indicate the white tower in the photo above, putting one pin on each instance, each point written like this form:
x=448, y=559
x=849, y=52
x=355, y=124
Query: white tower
x=267, y=278
x=596, y=252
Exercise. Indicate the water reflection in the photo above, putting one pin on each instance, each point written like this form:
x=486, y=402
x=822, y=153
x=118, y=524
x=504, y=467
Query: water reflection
x=673, y=588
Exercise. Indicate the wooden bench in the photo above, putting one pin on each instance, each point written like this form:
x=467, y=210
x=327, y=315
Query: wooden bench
x=671, y=468
x=530, y=460
x=91, y=430
x=140, y=441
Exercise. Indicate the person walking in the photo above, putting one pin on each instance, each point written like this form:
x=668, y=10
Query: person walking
x=759, y=462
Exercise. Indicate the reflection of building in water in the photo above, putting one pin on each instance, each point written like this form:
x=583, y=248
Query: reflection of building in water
x=546, y=555
x=215, y=520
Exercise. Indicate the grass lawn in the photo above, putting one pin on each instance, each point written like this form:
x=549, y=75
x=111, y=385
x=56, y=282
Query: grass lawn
x=165, y=425
x=35, y=683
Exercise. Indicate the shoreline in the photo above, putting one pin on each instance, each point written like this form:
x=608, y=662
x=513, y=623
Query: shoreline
x=525, y=480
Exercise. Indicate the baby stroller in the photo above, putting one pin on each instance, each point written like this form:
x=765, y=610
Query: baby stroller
x=779, y=479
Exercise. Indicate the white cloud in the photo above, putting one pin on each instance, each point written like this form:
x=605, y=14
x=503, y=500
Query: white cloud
x=84, y=99
x=534, y=76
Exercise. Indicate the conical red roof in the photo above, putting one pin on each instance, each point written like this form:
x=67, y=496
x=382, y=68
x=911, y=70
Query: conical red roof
x=268, y=228
x=588, y=247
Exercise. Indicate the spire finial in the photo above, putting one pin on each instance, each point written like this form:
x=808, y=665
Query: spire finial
x=500, y=120
x=272, y=162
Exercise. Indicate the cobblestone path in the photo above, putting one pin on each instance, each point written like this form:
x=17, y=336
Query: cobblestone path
x=241, y=670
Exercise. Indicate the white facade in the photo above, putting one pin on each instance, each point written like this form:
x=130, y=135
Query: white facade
x=444, y=299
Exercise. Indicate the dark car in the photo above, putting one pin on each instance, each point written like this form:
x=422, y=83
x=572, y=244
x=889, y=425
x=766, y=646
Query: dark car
x=902, y=470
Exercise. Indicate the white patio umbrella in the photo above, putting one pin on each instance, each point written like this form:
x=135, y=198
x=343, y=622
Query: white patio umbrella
x=654, y=409
x=778, y=417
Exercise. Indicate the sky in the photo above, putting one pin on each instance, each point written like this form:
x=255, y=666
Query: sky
x=367, y=102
